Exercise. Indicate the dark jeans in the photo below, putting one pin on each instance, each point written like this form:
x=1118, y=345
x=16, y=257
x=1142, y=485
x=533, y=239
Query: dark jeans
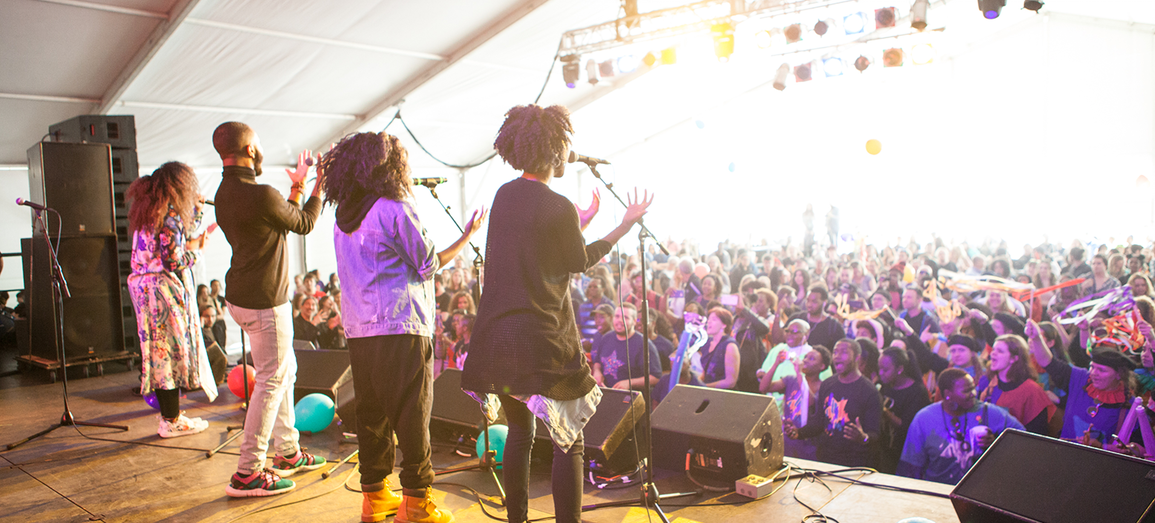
x=567, y=468
x=393, y=381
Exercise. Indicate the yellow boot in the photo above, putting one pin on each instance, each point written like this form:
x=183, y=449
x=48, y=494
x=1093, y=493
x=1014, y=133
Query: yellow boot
x=379, y=504
x=417, y=506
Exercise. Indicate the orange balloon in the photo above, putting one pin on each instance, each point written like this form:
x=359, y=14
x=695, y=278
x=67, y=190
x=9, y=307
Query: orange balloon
x=873, y=146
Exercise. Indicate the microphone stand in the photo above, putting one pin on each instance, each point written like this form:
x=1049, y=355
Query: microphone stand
x=650, y=498
x=487, y=461
x=59, y=292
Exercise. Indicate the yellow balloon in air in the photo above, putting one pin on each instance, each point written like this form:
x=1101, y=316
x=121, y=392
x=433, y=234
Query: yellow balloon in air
x=873, y=146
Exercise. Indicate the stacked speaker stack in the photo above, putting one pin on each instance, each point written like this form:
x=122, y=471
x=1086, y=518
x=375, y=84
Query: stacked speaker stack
x=83, y=173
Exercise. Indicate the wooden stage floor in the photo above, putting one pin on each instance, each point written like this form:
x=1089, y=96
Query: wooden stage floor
x=66, y=477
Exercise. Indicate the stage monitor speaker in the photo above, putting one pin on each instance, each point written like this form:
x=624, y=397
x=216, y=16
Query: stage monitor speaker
x=118, y=131
x=454, y=407
x=610, y=440
x=93, y=321
x=1027, y=477
x=732, y=434
x=328, y=372
x=76, y=180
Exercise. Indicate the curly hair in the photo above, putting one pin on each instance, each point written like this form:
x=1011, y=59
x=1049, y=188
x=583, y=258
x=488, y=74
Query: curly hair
x=533, y=139
x=173, y=184
x=374, y=164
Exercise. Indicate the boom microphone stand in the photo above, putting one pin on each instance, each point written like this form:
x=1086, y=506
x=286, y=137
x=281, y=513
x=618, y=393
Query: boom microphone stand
x=650, y=498
x=59, y=292
x=488, y=460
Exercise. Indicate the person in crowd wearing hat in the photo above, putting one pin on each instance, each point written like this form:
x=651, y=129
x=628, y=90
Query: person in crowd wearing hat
x=963, y=352
x=947, y=437
x=1011, y=383
x=603, y=316
x=892, y=285
x=595, y=293
x=848, y=424
x=796, y=348
x=617, y=357
x=1097, y=398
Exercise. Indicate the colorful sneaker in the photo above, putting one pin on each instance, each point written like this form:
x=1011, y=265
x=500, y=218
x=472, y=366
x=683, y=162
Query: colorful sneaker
x=301, y=461
x=181, y=426
x=258, y=484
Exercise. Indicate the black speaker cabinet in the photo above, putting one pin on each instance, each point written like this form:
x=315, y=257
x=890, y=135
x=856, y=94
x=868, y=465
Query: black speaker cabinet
x=93, y=322
x=732, y=434
x=611, y=441
x=118, y=131
x=327, y=372
x=76, y=180
x=1027, y=477
x=453, y=407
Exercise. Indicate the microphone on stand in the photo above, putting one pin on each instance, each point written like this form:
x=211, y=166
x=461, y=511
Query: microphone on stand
x=588, y=160
x=430, y=182
x=34, y=205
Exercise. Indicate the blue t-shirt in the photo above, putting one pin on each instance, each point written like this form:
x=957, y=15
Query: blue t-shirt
x=610, y=352
x=942, y=448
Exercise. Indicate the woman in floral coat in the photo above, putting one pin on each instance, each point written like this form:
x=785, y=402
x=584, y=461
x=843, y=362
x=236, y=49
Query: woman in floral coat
x=166, y=210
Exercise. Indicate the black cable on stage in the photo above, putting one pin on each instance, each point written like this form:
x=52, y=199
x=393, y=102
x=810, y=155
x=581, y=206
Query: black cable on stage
x=397, y=116
x=91, y=516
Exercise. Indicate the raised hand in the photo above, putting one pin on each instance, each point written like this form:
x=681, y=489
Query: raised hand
x=636, y=207
x=853, y=430
x=303, y=161
x=475, y=221
x=586, y=215
x=1031, y=329
x=903, y=326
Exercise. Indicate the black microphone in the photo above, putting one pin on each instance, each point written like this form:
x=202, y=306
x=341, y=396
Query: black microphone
x=34, y=205
x=588, y=160
x=430, y=182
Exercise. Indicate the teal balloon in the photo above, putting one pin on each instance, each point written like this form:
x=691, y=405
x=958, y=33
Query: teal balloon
x=497, y=435
x=150, y=398
x=314, y=413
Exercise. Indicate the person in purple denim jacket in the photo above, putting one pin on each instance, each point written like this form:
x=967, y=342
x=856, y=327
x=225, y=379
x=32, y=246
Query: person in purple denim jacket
x=386, y=264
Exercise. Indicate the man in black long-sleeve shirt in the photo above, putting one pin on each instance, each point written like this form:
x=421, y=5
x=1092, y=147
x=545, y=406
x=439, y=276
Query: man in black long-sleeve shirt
x=256, y=221
x=848, y=423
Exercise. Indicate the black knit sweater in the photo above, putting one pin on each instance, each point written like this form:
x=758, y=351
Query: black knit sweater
x=525, y=340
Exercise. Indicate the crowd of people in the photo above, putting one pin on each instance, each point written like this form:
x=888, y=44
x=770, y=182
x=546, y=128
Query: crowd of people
x=866, y=369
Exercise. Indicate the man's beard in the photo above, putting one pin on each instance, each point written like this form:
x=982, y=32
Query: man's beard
x=258, y=158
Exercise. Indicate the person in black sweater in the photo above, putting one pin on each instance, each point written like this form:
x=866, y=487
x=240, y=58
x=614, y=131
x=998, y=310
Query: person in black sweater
x=525, y=346
x=848, y=424
x=824, y=329
x=903, y=395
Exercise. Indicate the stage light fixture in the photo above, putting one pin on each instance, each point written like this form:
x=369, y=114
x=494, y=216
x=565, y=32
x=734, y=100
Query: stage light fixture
x=570, y=70
x=669, y=56
x=723, y=41
x=780, y=77
x=833, y=66
x=861, y=63
x=627, y=64
x=802, y=72
x=606, y=68
x=991, y=8
x=918, y=14
x=1033, y=5
x=793, y=33
x=649, y=59
x=922, y=54
x=821, y=27
x=762, y=39
x=892, y=57
x=854, y=23
x=592, y=72
x=884, y=17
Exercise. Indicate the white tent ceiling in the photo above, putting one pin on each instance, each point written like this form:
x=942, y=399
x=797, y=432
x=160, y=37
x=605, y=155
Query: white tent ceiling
x=305, y=73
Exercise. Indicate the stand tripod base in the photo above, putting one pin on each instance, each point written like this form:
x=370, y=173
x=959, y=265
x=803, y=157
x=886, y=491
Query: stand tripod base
x=650, y=499
x=240, y=431
x=489, y=464
x=66, y=420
